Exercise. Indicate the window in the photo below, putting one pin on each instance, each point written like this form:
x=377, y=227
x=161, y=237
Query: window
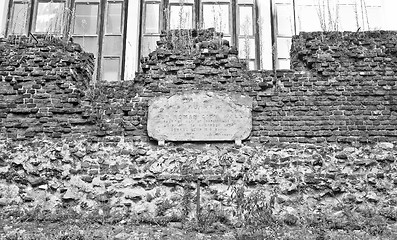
x=97, y=25
x=293, y=16
x=18, y=18
x=151, y=26
x=284, y=30
x=216, y=15
x=181, y=16
x=49, y=17
x=236, y=19
x=246, y=37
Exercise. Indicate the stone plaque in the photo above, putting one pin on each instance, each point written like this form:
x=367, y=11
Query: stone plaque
x=203, y=116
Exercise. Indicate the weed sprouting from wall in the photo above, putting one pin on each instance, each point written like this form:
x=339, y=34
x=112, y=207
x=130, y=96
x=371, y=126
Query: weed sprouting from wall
x=364, y=14
x=19, y=21
x=261, y=22
x=247, y=25
x=328, y=15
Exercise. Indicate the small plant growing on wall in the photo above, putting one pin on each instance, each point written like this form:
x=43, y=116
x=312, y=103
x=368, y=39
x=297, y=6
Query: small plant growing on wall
x=247, y=47
x=328, y=15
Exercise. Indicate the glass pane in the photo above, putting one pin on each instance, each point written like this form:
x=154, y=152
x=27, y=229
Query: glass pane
x=246, y=1
x=89, y=44
x=246, y=23
x=112, y=45
x=86, y=19
x=216, y=16
x=218, y=1
x=347, y=18
x=246, y=48
x=283, y=47
x=182, y=1
x=283, y=64
x=373, y=3
x=152, y=18
x=251, y=65
x=111, y=68
x=307, y=18
x=149, y=44
x=181, y=16
x=113, y=18
x=285, y=20
x=228, y=39
x=19, y=15
x=374, y=20
x=90, y=1
x=49, y=17
x=306, y=2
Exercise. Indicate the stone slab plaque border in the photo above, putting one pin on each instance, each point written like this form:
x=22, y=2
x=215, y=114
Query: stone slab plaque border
x=200, y=116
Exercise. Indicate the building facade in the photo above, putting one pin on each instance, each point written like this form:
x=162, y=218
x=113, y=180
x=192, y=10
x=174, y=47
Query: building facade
x=120, y=32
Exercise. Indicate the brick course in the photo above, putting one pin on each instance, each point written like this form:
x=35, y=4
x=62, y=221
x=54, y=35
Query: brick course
x=342, y=87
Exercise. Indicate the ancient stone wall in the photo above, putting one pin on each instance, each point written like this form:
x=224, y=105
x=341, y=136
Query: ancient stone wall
x=42, y=82
x=342, y=88
x=67, y=143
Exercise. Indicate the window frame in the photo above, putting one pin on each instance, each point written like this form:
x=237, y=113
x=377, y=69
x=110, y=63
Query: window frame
x=10, y=16
x=198, y=8
x=252, y=36
x=193, y=17
x=33, y=19
x=232, y=31
x=103, y=34
x=68, y=26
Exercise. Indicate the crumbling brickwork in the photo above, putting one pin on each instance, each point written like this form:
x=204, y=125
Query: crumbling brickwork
x=41, y=86
x=68, y=143
x=342, y=88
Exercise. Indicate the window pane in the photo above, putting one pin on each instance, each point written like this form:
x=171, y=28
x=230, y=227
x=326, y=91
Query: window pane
x=251, y=65
x=284, y=64
x=111, y=68
x=149, y=44
x=90, y=1
x=373, y=3
x=218, y=1
x=285, y=20
x=112, y=45
x=181, y=16
x=49, y=17
x=89, y=44
x=152, y=18
x=347, y=18
x=216, y=16
x=308, y=18
x=283, y=47
x=113, y=18
x=245, y=1
x=86, y=19
x=228, y=39
x=183, y=1
x=246, y=48
x=374, y=20
x=246, y=23
x=19, y=15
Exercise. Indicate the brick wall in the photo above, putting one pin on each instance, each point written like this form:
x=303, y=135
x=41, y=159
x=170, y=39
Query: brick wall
x=42, y=82
x=342, y=88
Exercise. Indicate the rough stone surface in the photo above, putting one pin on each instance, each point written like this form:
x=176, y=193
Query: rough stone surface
x=323, y=135
x=203, y=116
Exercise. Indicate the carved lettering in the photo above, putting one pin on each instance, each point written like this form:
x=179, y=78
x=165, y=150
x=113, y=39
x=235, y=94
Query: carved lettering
x=200, y=117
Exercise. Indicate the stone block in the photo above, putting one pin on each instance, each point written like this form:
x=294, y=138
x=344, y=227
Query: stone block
x=202, y=116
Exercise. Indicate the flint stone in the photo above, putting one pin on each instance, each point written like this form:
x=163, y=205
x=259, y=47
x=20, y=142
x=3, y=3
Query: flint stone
x=202, y=116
